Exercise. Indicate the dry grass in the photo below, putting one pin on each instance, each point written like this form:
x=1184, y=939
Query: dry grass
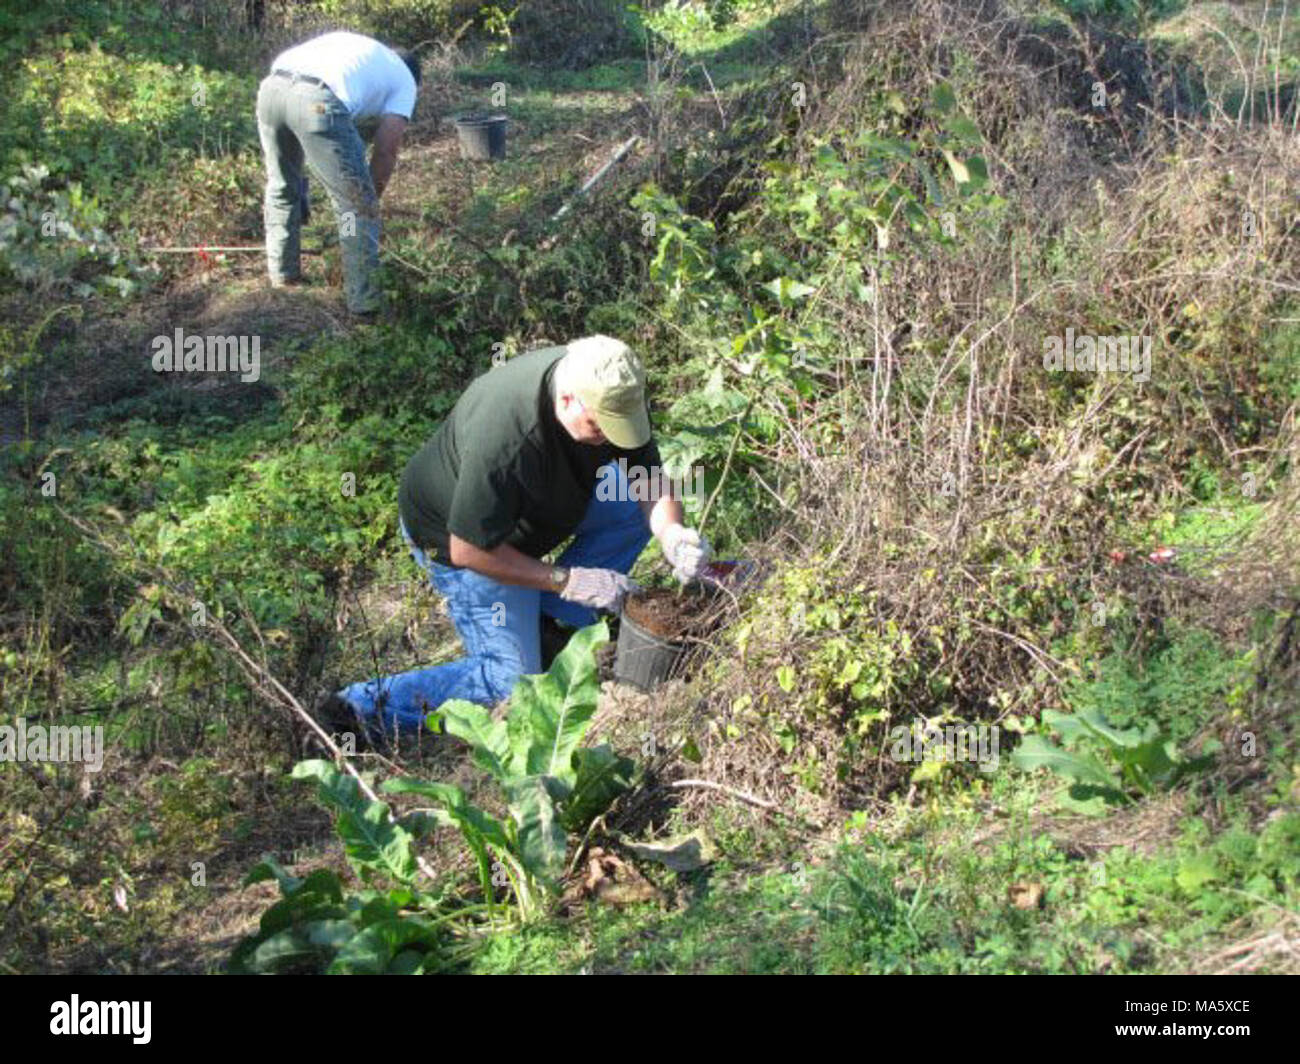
x=1274, y=949
x=940, y=375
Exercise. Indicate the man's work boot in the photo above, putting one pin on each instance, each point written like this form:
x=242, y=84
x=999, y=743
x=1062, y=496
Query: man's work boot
x=338, y=717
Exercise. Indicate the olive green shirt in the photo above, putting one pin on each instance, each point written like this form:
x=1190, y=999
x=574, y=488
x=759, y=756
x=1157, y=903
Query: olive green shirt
x=502, y=469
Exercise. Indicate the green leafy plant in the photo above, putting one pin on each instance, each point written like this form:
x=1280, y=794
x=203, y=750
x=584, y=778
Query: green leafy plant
x=1108, y=766
x=1172, y=683
x=550, y=785
x=54, y=238
x=316, y=926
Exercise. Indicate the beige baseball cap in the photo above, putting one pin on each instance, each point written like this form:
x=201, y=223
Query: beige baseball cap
x=609, y=379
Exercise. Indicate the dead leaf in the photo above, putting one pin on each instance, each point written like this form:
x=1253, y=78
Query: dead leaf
x=612, y=881
x=1025, y=895
x=632, y=892
x=686, y=853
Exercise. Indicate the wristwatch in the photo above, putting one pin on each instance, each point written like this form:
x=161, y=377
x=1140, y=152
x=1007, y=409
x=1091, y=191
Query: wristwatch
x=559, y=576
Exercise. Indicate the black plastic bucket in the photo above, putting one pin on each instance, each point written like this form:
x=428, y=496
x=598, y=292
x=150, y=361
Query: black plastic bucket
x=482, y=137
x=643, y=660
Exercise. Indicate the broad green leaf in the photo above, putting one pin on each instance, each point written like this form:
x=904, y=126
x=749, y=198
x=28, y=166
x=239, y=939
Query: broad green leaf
x=600, y=777
x=558, y=789
x=371, y=841
x=1066, y=725
x=1154, y=762
x=486, y=737
x=458, y=811
x=1035, y=752
x=282, y=950
x=541, y=838
x=785, y=678
x=575, y=665
x=807, y=203
x=378, y=907
x=552, y=712
x=329, y=934
x=1094, y=722
x=942, y=98
x=372, y=950
x=284, y=921
x=850, y=672
x=337, y=788
x=297, y=908
x=367, y=952
x=532, y=702
x=324, y=883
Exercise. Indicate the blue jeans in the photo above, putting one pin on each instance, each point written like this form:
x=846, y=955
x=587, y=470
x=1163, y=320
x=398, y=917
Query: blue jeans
x=499, y=624
x=302, y=122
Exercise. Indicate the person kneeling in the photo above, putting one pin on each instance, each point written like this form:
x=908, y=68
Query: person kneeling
x=507, y=477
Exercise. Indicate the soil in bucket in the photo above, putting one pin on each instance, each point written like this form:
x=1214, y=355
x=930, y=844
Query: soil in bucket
x=670, y=614
x=658, y=628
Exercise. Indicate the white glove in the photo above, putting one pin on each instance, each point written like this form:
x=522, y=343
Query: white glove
x=601, y=589
x=686, y=550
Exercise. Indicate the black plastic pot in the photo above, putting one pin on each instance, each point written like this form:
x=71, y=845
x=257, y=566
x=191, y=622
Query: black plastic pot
x=482, y=137
x=643, y=660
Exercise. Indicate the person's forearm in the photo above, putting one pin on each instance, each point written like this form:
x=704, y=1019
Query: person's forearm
x=503, y=563
x=661, y=513
x=382, y=164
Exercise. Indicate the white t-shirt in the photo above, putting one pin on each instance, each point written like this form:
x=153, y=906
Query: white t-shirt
x=369, y=78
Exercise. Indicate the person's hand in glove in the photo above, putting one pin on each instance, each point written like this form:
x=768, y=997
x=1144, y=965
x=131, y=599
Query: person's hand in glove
x=686, y=550
x=601, y=589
